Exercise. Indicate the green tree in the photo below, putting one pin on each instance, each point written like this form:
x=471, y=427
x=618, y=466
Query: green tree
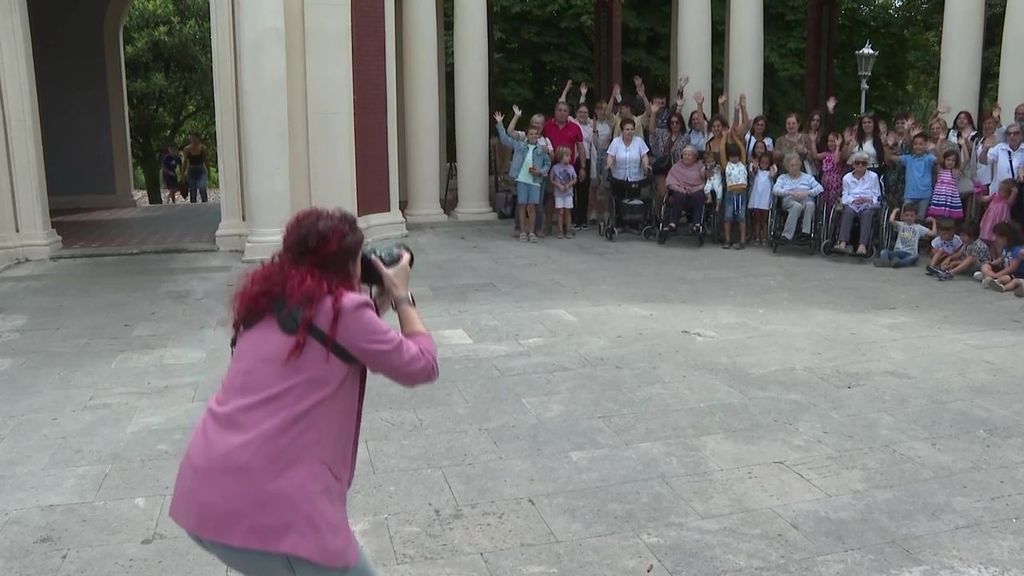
x=169, y=75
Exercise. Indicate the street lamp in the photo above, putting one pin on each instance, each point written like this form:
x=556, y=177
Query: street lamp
x=865, y=62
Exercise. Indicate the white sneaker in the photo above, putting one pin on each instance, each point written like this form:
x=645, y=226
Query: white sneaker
x=979, y=276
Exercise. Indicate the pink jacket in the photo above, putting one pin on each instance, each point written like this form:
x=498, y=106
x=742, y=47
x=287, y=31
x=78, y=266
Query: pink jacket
x=269, y=465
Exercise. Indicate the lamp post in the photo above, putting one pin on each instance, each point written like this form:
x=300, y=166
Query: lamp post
x=865, y=63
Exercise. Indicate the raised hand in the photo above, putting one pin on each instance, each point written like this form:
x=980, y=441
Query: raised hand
x=723, y=98
x=942, y=108
x=499, y=117
x=831, y=104
x=516, y=110
x=617, y=93
x=742, y=102
x=698, y=97
x=683, y=81
x=583, y=88
x=568, y=85
x=997, y=111
x=638, y=82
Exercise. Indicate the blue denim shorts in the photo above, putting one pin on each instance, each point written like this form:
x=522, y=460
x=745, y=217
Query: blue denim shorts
x=527, y=193
x=735, y=207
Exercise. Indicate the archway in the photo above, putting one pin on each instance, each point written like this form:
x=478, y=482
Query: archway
x=78, y=56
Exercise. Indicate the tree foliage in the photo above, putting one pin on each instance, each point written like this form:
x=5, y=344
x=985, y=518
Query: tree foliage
x=169, y=75
x=540, y=44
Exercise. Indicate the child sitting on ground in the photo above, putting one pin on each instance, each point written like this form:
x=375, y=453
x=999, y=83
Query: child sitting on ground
x=944, y=246
x=908, y=236
x=1001, y=274
x=563, y=176
x=735, y=197
x=969, y=258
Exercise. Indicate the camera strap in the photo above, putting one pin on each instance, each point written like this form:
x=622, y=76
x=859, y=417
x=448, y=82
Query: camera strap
x=289, y=320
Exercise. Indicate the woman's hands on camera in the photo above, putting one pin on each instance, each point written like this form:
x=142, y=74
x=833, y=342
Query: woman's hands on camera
x=395, y=280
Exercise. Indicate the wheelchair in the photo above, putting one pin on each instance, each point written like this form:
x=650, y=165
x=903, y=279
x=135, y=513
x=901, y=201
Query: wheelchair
x=630, y=210
x=777, y=224
x=711, y=222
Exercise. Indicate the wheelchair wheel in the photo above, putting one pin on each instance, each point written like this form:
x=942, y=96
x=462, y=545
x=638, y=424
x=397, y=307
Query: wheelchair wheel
x=648, y=233
x=662, y=236
x=610, y=233
x=827, y=248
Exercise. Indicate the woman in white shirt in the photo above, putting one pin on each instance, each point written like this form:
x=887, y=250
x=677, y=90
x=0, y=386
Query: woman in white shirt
x=861, y=193
x=628, y=161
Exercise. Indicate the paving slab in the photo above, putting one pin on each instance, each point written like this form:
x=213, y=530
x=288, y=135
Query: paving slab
x=606, y=395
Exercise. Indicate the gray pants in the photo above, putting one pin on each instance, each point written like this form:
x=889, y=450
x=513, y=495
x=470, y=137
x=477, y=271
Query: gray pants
x=255, y=563
x=866, y=218
x=793, y=210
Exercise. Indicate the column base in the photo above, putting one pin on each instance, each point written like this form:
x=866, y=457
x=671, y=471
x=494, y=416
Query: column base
x=474, y=214
x=425, y=216
x=261, y=245
x=383, y=226
x=231, y=236
x=39, y=245
x=10, y=253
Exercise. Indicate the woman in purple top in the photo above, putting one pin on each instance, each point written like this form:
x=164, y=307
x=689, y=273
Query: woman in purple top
x=264, y=480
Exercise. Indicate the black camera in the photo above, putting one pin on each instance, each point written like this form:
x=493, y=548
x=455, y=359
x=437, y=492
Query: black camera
x=388, y=257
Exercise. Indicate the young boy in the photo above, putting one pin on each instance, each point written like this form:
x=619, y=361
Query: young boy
x=920, y=175
x=171, y=165
x=944, y=246
x=908, y=236
x=970, y=257
x=563, y=176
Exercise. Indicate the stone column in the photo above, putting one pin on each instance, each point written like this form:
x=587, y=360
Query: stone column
x=1011, y=80
x=693, y=58
x=472, y=123
x=232, y=230
x=963, y=33
x=9, y=251
x=746, y=54
x=421, y=88
x=24, y=135
x=263, y=116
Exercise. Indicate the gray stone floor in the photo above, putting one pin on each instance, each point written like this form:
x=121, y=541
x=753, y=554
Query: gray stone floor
x=604, y=410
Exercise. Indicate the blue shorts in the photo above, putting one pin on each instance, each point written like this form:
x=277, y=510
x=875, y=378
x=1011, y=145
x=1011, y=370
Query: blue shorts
x=527, y=193
x=735, y=207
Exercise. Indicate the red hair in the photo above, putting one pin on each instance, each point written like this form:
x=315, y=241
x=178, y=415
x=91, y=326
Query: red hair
x=316, y=260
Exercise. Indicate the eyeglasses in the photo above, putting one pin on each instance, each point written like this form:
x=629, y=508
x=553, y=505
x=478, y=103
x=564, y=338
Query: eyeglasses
x=860, y=163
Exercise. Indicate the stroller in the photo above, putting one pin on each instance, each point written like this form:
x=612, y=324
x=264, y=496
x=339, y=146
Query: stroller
x=630, y=210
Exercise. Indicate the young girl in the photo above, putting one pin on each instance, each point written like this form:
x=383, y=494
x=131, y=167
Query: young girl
x=735, y=197
x=762, y=172
x=563, y=176
x=831, y=174
x=946, y=194
x=998, y=209
x=1001, y=274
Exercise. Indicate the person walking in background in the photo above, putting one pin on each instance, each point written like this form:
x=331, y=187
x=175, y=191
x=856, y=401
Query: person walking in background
x=170, y=164
x=197, y=169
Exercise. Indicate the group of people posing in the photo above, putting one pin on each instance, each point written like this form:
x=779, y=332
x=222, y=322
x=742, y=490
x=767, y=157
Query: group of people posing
x=963, y=181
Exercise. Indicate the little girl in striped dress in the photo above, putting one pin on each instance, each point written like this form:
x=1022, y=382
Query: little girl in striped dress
x=946, y=195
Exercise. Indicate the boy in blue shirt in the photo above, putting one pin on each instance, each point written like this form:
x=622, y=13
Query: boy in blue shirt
x=920, y=175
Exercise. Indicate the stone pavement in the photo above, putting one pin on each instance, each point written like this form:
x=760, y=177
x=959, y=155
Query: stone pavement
x=603, y=409
x=179, y=225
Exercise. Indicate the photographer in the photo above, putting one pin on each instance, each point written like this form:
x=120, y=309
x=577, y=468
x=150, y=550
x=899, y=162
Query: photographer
x=264, y=480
